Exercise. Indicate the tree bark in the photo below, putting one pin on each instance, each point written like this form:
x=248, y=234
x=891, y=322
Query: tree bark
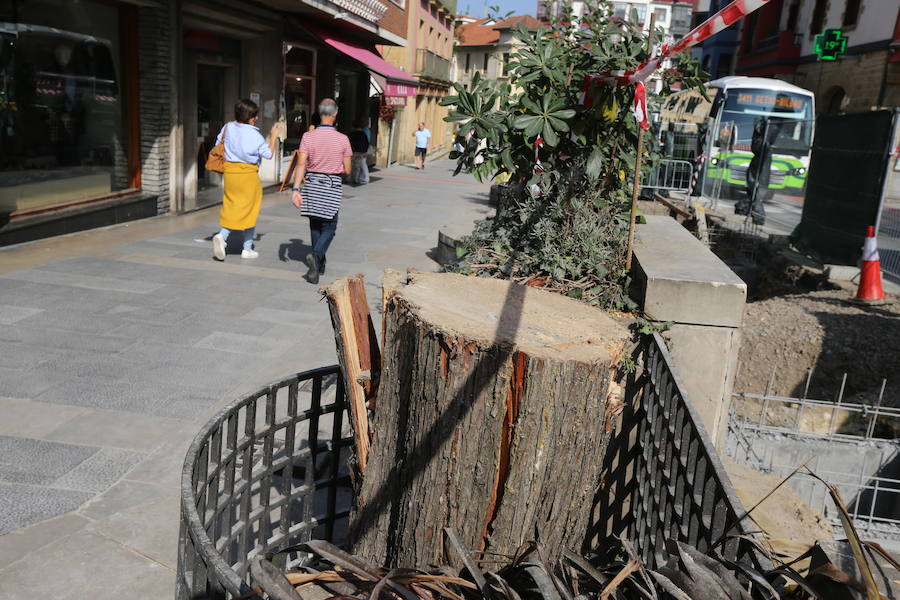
x=492, y=419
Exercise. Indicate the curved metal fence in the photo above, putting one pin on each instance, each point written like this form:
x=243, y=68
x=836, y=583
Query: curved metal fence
x=270, y=471
x=266, y=473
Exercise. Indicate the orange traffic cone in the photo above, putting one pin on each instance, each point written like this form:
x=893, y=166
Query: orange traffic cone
x=870, y=290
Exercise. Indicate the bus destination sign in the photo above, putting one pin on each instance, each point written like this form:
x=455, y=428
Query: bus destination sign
x=770, y=101
x=830, y=44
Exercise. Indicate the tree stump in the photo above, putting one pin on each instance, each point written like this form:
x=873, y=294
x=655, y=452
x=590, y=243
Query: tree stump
x=492, y=418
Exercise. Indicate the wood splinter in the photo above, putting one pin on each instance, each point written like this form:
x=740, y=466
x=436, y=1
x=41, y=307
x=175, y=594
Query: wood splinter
x=358, y=353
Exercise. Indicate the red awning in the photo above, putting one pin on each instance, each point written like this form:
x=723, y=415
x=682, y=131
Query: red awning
x=368, y=56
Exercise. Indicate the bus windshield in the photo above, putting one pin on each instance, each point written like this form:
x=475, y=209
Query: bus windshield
x=789, y=113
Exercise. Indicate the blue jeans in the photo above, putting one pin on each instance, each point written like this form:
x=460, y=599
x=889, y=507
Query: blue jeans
x=322, y=232
x=248, y=236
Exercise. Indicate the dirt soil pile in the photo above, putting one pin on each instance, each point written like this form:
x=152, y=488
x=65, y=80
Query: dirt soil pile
x=789, y=525
x=820, y=331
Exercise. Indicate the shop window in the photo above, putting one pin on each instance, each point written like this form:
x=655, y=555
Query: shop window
x=817, y=23
x=64, y=112
x=851, y=13
x=299, y=92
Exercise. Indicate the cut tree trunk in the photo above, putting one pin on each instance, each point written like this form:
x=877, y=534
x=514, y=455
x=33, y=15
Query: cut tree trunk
x=493, y=416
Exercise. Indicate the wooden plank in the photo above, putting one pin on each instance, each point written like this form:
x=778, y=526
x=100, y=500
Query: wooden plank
x=366, y=340
x=679, y=210
x=341, y=309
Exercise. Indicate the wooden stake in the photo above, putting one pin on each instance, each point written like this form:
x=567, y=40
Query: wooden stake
x=637, y=166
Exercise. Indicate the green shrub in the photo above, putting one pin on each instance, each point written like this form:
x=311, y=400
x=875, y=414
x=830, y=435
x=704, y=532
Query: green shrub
x=565, y=225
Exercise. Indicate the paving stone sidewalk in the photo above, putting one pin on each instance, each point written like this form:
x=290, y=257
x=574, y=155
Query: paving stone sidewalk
x=116, y=345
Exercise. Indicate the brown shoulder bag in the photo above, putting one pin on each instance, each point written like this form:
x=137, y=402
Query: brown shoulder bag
x=215, y=160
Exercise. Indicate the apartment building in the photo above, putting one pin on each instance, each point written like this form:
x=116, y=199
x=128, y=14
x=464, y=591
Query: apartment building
x=779, y=40
x=427, y=55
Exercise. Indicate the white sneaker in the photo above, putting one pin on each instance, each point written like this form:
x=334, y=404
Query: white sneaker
x=219, y=246
x=249, y=254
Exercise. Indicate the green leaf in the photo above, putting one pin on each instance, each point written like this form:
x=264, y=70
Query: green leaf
x=566, y=114
x=534, y=127
x=525, y=121
x=550, y=136
x=594, y=164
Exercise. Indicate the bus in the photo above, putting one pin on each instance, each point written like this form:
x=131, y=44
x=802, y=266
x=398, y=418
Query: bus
x=720, y=125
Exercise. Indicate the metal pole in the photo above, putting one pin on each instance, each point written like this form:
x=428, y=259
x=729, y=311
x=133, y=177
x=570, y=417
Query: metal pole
x=637, y=165
x=391, y=141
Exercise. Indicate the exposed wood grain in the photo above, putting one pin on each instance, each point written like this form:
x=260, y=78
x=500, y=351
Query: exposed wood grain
x=491, y=419
x=341, y=307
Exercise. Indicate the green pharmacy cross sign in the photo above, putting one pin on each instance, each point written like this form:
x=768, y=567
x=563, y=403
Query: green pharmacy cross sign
x=830, y=44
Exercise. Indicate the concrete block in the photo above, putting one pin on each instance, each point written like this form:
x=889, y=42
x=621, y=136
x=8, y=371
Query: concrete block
x=706, y=360
x=681, y=280
x=842, y=273
x=38, y=462
x=99, y=471
x=23, y=505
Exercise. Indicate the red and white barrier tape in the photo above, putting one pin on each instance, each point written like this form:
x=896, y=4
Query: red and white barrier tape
x=538, y=144
x=716, y=23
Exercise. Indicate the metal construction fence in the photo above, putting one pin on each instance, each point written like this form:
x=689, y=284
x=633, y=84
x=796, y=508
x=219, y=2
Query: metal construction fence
x=663, y=478
x=270, y=471
x=851, y=445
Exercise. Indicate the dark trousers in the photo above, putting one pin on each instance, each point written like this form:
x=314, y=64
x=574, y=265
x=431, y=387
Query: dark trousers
x=322, y=232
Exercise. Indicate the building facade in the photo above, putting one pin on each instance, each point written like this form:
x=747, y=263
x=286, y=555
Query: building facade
x=779, y=41
x=109, y=108
x=427, y=56
x=717, y=54
x=485, y=46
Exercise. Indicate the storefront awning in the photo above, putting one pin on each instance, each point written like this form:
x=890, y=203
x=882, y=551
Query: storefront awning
x=398, y=81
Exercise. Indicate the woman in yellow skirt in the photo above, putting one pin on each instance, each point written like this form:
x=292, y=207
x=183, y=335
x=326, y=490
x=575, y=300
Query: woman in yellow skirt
x=244, y=149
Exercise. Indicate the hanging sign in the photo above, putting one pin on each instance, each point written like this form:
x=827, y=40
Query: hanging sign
x=830, y=44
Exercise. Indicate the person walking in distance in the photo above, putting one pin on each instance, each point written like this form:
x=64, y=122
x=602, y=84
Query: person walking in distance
x=359, y=143
x=324, y=156
x=422, y=136
x=244, y=149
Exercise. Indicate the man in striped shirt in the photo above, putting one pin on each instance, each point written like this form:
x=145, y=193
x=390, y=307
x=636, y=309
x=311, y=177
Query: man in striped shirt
x=324, y=155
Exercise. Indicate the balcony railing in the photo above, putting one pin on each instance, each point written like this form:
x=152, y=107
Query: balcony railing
x=371, y=10
x=429, y=64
